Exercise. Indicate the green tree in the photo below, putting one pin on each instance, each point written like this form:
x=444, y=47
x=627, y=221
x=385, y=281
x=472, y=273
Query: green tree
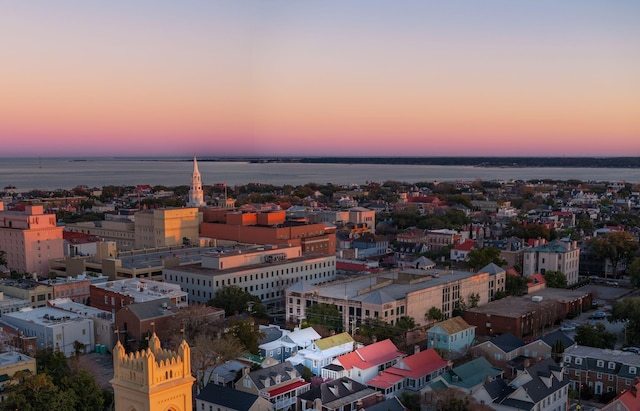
x=516, y=285
x=555, y=279
x=410, y=400
x=375, y=327
x=434, y=315
x=474, y=299
x=233, y=299
x=246, y=331
x=595, y=336
x=88, y=395
x=484, y=256
x=326, y=315
x=628, y=312
x=39, y=393
x=615, y=246
x=634, y=272
x=3, y=258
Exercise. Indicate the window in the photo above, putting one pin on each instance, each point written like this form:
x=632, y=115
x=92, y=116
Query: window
x=600, y=363
x=632, y=370
x=610, y=377
x=612, y=365
x=578, y=361
x=246, y=383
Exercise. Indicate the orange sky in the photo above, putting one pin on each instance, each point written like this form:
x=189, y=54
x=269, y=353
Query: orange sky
x=329, y=78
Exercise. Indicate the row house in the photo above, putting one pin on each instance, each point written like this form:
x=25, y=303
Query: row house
x=602, y=370
x=289, y=343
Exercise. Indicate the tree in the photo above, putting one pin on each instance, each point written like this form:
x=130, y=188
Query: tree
x=555, y=279
x=615, y=246
x=233, y=299
x=484, y=256
x=628, y=312
x=453, y=399
x=634, y=272
x=209, y=352
x=474, y=299
x=246, y=331
x=595, y=336
x=516, y=285
x=434, y=315
x=326, y=315
x=39, y=393
x=375, y=327
x=88, y=394
x=3, y=258
x=410, y=400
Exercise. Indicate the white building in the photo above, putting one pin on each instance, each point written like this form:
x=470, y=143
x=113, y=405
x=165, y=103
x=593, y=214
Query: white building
x=54, y=328
x=103, y=321
x=558, y=255
x=264, y=271
x=196, y=196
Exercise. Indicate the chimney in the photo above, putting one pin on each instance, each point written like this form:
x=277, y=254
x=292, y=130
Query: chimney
x=317, y=404
x=416, y=349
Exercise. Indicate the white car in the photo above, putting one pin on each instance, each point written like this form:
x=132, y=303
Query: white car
x=568, y=327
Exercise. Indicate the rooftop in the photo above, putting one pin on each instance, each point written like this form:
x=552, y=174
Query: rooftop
x=46, y=316
x=370, y=289
x=143, y=290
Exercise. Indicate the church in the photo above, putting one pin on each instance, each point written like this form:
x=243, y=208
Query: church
x=153, y=379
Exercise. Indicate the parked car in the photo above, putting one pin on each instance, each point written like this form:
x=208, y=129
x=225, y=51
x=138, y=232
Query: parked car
x=567, y=327
x=599, y=315
x=634, y=350
x=613, y=283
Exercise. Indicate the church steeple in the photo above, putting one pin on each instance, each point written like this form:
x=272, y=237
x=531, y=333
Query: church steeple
x=196, y=196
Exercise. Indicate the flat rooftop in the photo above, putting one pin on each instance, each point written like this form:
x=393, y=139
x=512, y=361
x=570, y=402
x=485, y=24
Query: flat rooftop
x=143, y=290
x=518, y=306
x=66, y=304
x=139, y=259
x=351, y=288
x=45, y=316
x=12, y=357
x=212, y=272
x=624, y=357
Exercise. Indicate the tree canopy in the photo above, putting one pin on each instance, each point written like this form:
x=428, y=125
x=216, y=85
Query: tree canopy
x=615, y=246
x=555, y=279
x=326, y=315
x=233, y=299
x=484, y=256
x=628, y=310
x=595, y=335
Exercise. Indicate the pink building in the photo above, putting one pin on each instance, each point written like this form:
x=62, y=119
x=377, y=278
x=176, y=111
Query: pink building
x=30, y=238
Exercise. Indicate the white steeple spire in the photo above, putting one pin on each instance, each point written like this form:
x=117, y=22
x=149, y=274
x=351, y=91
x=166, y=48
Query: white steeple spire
x=196, y=196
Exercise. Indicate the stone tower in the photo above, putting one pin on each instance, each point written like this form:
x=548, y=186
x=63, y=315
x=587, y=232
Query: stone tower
x=154, y=379
x=196, y=196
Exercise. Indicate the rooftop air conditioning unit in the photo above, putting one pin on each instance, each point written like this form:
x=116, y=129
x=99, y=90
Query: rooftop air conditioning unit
x=536, y=298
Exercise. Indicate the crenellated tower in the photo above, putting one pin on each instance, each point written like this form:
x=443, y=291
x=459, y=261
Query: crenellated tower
x=154, y=379
x=196, y=196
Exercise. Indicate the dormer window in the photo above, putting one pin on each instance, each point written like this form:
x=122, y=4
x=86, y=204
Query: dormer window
x=632, y=370
x=578, y=361
x=612, y=365
x=600, y=363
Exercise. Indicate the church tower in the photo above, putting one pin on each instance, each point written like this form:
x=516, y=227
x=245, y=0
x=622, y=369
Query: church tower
x=196, y=196
x=154, y=379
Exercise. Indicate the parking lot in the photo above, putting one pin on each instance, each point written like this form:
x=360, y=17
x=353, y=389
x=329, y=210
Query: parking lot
x=605, y=296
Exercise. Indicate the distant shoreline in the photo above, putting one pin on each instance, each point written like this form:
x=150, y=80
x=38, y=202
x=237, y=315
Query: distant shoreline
x=485, y=162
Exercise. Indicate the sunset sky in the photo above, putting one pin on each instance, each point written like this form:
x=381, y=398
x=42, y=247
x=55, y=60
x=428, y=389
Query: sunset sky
x=313, y=78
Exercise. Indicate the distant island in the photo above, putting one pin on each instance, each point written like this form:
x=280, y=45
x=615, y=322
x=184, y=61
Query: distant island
x=510, y=162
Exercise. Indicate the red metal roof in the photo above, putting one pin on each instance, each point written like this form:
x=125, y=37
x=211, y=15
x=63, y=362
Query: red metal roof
x=287, y=388
x=370, y=355
x=418, y=365
x=385, y=380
